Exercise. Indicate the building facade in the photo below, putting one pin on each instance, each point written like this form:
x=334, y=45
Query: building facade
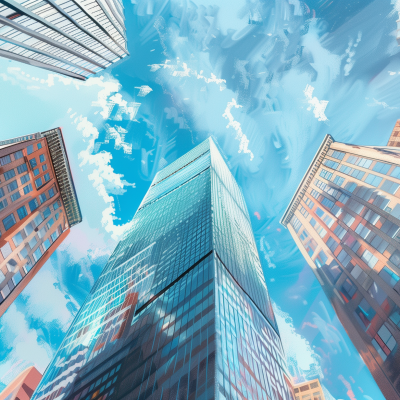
x=23, y=386
x=181, y=309
x=345, y=219
x=310, y=390
x=38, y=206
x=73, y=38
x=394, y=140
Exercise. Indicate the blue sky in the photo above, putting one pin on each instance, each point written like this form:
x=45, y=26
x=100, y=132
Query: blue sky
x=269, y=91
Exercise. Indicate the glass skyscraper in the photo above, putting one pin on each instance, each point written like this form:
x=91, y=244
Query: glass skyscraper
x=73, y=38
x=181, y=309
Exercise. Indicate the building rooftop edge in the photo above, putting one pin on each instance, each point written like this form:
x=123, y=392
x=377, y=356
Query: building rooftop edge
x=305, y=182
x=59, y=156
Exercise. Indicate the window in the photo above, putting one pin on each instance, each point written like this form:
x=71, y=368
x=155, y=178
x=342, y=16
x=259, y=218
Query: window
x=371, y=217
x=54, y=236
x=46, y=212
x=39, y=146
x=390, y=228
x=369, y=258
x=331, y=164
x=389, y=186
x=42, y=232
x=344, y=258
x=9, y=174
x=22, y=168
x=51, y=192
x=350, y=186
x=309, y=203
x=373, y=180
x=29, y=149
x=42, y=197
x=46, y=244
x=328, y=221
x=358, y=274
x=362, y=230
x=38, y=219
x=396, y=173
x=33, y=242
x=44, y=167
x=33, y=162
x=319, y=212
x=365, y=314
x=332, y=244
x=334, y=271
x=15, y=196
x=22, y=213
x=382, y=168
x=377, y=243
x=348, y=289
x=27, y=189
x=46, y=177
x=327, y=203
x=17, y=278
x=304, y=212
x=361, y=162
x=37, y=254
x=348, y=219
x=339, y=232
x=338, y=180
x=321, y=259
x=12, y=186
x=33, y=205
x=18, y=155
x=336, y=154
x=384, y=342
x=56, y=205
x=389, y=276
x=356, y=173
x=326, y=174
x=1, y=192
x=36, y=171
x=57, y=215
x=9, y=222
x=24, y=179
x=38, y=182
x=5, y=160
x=50, y=223
x=42, y=158
x=28, y=229
x=17, y=239
x=3, y=204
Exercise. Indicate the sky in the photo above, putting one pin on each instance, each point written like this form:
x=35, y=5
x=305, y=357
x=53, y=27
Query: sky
x=268, y=79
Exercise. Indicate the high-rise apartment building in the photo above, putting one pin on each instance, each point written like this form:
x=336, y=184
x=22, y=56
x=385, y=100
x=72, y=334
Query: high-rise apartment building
x=73, y=38
x=345, y=219
x=181, y=309
x=38, y=206
x=23, y=386
x=310, y=390
x=394, y=140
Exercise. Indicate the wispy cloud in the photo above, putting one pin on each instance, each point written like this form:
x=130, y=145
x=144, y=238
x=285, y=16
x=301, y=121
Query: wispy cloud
x=244, y=142
x=317, y=106
x=350, y=53
x=144, y=90
x=377, y=103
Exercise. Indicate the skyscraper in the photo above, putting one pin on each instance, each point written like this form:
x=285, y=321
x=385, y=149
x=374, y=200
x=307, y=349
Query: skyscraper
x=23, y=386
x=73, y=38
x=345, y=219
x=181, y=309
x=38, y=206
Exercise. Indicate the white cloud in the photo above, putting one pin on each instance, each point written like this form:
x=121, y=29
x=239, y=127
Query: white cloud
x=25, y=343
x=380, y=103
x=244, y=142
x=105, y=180
x=318, y=106
x=182, y=70
x=350, y=53
x=117, y=133
x=267, y=254
x=296, y=346
x=144, y=90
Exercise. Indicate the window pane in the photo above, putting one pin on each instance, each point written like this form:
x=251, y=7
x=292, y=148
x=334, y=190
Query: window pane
x=22, y=213
x=9, y=222
x=33, y=205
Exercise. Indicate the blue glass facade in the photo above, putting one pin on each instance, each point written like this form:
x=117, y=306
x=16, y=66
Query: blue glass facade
x=181, y=310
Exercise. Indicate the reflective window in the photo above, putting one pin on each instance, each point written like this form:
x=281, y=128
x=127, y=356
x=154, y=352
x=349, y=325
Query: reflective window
x=29, y=149
x=9, y=174
x=46, y=177
x=9, y=222
x=332, y=244
x=389, y=186
x=396, y=173
x=369, y=258
x=12, y=186
x=325, y=174
x=22, y=168
x=336, y=154
x=373, y=180
x=5, y=160
x=384, y=342
x=349, y=289
x=389, y=276
x=33, y=162
x=27, y=189
x=15, y=196
x=365, y=314
x=18, y=155
x=344, y=258
x=381, y=167
x=36, y=172
x=338, y=180
x=42, y=197
x=17, y=239
x=331, y=164
x=361, y=162
x=38, y=182
x=22, y=213
x=42, y=158
x=33, y=205
x=24, y=179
